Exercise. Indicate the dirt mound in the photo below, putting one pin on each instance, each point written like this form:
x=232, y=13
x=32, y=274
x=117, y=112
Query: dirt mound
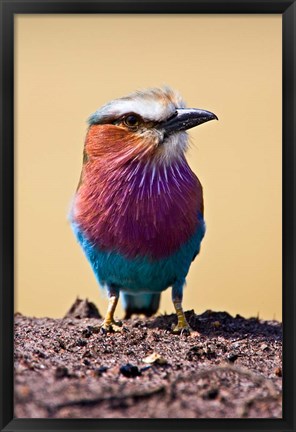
x=228, y=367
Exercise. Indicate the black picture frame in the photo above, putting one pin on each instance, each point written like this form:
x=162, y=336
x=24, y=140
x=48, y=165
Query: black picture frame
x=8, y=9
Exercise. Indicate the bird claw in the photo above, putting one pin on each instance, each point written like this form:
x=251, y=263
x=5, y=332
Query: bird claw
x=113, y=327
x=181, y=329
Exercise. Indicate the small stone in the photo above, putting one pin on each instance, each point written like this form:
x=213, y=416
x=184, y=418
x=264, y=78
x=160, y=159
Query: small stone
x=100, y=370
x=278, y=372
x=86, y=333
x=211, y=394
x=130, y=371
x=236, y=345
x=81, y=342
x=155, y=358
x=264, y=347
x=61, y=372
x=232, y=357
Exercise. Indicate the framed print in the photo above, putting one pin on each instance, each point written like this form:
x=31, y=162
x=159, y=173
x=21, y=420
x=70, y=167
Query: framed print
x=147, y=215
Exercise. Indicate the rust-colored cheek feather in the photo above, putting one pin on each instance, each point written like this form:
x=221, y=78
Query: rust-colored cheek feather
x=115, y=144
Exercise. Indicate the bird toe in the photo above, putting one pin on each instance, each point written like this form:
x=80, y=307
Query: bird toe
x=181, y=329
x=113, y=327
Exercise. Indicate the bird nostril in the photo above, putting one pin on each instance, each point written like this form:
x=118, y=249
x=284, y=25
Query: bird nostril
x=172, y=116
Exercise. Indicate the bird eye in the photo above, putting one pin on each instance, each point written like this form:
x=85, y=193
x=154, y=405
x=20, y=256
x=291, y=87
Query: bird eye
x=131, y=120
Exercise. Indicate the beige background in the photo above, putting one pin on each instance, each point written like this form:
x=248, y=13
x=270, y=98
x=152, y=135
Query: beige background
x=68, y=66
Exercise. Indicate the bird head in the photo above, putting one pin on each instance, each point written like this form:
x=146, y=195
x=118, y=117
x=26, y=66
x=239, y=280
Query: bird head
x=145, y=125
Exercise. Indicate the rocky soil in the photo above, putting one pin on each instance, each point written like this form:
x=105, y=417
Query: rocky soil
x=228, y=367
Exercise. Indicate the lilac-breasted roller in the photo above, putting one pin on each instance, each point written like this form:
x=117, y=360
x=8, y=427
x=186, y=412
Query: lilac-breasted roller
x=138, y=208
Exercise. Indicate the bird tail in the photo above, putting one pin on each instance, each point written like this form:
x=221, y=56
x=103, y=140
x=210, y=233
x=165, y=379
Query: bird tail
x=146, y=304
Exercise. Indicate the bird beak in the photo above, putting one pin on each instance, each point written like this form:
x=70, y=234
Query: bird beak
x=186, y=118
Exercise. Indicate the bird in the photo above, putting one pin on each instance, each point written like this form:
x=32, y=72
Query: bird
x=138, y=211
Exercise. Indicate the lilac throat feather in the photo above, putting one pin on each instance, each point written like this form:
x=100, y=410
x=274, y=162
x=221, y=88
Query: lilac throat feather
x=139, y=209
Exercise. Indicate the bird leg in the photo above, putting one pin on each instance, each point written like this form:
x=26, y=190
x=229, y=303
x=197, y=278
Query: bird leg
x=182, y=324
x=109, y=324
x=177, y=295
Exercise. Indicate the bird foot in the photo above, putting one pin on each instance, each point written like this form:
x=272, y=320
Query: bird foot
x=111, y=327
x=181, y=329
